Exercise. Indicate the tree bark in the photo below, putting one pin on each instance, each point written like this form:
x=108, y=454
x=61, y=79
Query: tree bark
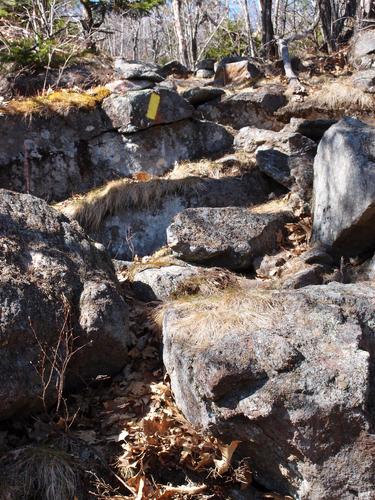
x=182, y=46
x=250, y=40
x=268, y=42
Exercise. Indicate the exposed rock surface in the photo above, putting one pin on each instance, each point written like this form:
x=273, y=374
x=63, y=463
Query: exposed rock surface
x=208, y=64
x=53, y=157
x=290, y=375
x=50, y=155
x=138, y=71
x=229, y=237
x=156, y=149
x=174, y=68
x=159, y=283
x=365, y=80
x=237, y=72
x=123, y=86
x=344, y=188
x=287, y=157
x=134, y=111
x=204, y=73
x=247, y=108
x=362, y=53
x=51, y=274
x=313, y=129
x=132, y=230
x=200, y=95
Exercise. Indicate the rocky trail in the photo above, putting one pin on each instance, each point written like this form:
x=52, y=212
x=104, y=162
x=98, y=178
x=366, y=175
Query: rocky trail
x=187, y=306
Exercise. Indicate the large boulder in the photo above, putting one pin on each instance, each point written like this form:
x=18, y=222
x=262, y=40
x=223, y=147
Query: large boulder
x=48, y=156
x=289, y=374
x=344, y=188
x=156, y=149
x=142, y=109
x=255, y=108
x=287, y=157
x=138, y=71
x=132, y=219
x=56, y=286
x=174, y=68
x=362, y=49
x=229, y=237
x=54, y=156
x=237, y=72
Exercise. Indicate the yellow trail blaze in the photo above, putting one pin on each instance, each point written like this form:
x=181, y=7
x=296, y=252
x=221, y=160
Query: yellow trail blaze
x=153, y=106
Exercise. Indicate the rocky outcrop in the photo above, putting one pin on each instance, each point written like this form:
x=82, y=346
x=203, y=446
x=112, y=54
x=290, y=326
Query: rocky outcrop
x=55, y=284
x=155, y=150
x=132, y=220
x=55, y=156
x=344, y=188
x=244, y=109
x=362, y=50
x=286, y=157
x=48, y=156
x=142, y=109
x=290, y=375
x=228, y=237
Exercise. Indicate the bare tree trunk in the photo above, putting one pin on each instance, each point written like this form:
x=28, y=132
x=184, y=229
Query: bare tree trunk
x=249, y=29
x=182, y=46
x=269, y=48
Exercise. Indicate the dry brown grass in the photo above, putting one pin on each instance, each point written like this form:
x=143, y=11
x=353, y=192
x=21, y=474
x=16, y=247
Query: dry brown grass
x=202, y=319
x=272, y=206
x=60, y=102
x=237, y=163
x=41, y=473
x=330, y=97
x=91, y=209
x=342, y=95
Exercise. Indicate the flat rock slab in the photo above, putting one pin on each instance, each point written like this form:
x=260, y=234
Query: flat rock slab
x=254, y=108
x=287, y=373
x=53, y=278
x=344, y=188
x=142, y=109
x=200, y=95
x=229, y=237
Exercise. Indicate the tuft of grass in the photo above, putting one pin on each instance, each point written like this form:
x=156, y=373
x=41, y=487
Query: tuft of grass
x=60, y=102
x=92, y=208
x=237, y=163
x=41, y=472
x=339, y=96
x=210, y=317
